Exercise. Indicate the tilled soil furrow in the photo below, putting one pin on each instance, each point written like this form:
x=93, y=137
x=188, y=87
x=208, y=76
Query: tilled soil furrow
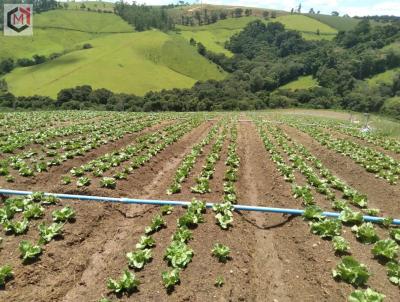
x=283, y=245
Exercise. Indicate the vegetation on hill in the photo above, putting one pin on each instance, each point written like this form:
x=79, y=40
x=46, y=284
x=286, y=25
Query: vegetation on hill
x=304, y=82
x=269, y=66
x=343, y=23
x=130, y=63
x=144, y=17
x=307, y=25
x=84, y=21
x=384, y=77
x=204, y=14
x=98, y=6
x=214, y=36
x=60, y=31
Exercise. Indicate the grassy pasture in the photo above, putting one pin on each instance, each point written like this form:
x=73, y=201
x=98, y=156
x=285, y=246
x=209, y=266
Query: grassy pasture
x=339, y=23
x=131, y=63
x=301, y=83
x=61, y=30
x=384, y=77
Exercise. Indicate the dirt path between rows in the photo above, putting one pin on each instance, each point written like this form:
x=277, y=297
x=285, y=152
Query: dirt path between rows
x=286, y=266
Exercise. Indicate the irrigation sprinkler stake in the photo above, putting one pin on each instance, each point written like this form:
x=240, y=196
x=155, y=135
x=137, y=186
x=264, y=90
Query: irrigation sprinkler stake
x=186, y=203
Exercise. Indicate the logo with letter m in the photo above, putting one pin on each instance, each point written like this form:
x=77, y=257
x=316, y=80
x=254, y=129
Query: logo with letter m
x=18, y=20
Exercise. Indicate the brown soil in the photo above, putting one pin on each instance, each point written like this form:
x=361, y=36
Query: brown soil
x=274, y=257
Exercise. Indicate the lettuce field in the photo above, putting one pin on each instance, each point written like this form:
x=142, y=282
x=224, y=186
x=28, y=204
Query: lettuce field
x=73, y=250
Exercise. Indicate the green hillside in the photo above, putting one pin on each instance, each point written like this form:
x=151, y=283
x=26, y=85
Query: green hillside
x=131, y=63
x=301, y=83
x=61, y=30
x=92, y=5
x=384, y=77
x=215, y=35
x=308, y=27
x=43, y=42
x=339, y=23
x=82, y=21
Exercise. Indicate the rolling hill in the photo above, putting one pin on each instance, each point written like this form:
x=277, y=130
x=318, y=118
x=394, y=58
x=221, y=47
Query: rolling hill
x=339, y=23
x=126, y=61
x=130, y=62
x=61, y=30
x=214, y=36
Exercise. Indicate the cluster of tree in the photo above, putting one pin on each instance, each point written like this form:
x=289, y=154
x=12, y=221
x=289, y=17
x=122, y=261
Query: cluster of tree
x=206, y=16
x=178, y=4
x=382, y=19
x=83, y=7
x=144, y=17
x=269, y=14
x=365, y=36
x=44, y=5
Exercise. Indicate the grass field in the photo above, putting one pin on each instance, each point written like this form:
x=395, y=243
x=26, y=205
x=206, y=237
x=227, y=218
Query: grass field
x=301, y=83
x=82, y=21
x=213, y=36
x=307, y=26
x=131, y=63
x=384, y=77
x=60, y=30
x=339, y=23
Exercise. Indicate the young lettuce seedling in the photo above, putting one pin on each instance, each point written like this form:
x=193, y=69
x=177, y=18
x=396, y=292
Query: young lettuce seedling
x=127, y=283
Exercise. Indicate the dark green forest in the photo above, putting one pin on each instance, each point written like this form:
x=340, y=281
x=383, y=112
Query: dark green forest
x=266, y=56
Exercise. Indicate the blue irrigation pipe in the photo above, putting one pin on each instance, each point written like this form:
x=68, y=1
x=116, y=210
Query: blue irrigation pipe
x=185, y=203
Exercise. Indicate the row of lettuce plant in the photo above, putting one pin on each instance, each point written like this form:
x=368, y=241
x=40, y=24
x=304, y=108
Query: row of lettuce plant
x=30, y=162
x=364, y=231
x=31, y=207
x=349, y=270
x=203, y=179
x=19, y=129
x=137, y=154
x=373, y=161
x=189, y=161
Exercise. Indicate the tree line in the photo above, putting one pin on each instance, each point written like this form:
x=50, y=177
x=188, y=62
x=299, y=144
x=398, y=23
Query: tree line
x=144, y=17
